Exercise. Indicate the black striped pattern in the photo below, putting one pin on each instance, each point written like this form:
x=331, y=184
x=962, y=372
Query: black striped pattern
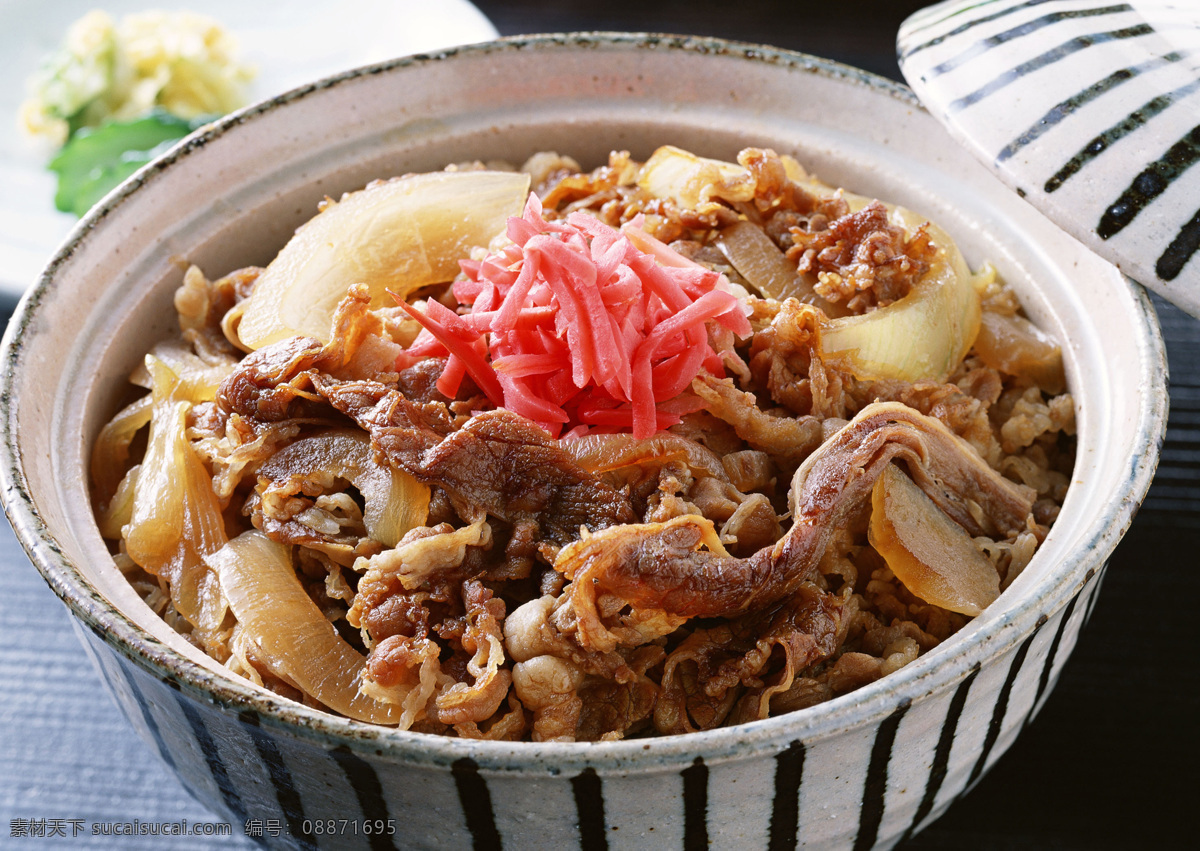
x=695, y=806
x=1000, y=709
x=875, y=787
x=286, y=792
x=1128, y=154
x=923, y=25
x=1067, y=107
x=476, y=803
x=941, y=757
x=783, y=817
x=1151, y=183
x=212, y=758
x=362, y=778
x=1028, y=28
x=1129, y=124
x=1091, y=604
x=1181, y=249
x=589, y=807
x=785, y=806
x=139, y=698
x=1051, y=654
x=1049, y=57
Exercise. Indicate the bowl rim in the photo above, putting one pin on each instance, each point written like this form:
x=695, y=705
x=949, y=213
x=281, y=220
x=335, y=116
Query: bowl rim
x=933, y=672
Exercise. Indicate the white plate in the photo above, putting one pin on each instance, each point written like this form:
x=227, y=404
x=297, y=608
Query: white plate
x=288, y=44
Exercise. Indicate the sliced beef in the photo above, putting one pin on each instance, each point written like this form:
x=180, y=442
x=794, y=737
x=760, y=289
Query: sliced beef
x=498, y=463
x=677, y=569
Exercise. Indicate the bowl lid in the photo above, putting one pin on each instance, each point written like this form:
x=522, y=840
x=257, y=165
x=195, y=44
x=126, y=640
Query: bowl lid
x=1089, y=111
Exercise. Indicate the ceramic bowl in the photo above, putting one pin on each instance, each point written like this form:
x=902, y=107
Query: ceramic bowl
x=862, y=770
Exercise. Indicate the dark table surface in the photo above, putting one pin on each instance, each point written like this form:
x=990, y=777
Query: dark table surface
x=1110, y=762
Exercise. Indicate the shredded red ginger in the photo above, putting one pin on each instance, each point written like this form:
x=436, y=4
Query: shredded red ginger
x=582, y=327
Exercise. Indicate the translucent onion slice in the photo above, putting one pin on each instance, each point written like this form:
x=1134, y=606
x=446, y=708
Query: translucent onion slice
x=198, y=379
x=260, y=583
x=690, y=180
x=115, y=514
x=1014, y=345
x=397, y=235
x=932, y=555
x=923, y=335
x=766, y=267
x=394, y=502
x=110, y=452
x=609, y=453
x=176, y=517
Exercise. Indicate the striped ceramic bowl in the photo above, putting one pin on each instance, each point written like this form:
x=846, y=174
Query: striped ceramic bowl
x=860, y=771
x=1090, y=110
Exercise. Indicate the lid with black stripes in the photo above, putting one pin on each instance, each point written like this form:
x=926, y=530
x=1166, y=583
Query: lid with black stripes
x=1090, y=109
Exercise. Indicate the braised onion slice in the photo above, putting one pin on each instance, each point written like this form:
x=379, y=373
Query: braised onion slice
x=394, y=502
x=766, y=267
x=925, y=334
x=928, y=552
x=191, y=378
x=922, y=335
x=396, y=235
x=610, y=453
x=198, y=378
x=1014, y=345
x=113, y=515
x=110, y=453
x=176, y=518
x=260, y=584
x=690, y=180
